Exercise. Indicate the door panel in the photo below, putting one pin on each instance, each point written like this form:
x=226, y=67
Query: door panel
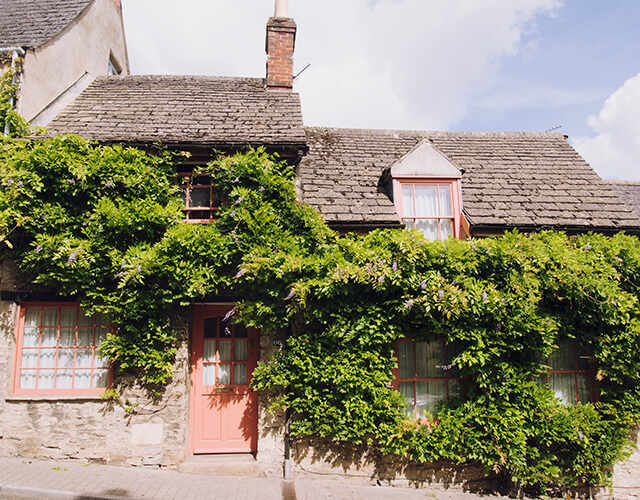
x=224, y=409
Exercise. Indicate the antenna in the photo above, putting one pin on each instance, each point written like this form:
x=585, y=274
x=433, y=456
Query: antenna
x=301, y=71
x=553, y=128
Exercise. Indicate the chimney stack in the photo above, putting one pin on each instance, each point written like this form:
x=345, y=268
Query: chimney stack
x=281, y=38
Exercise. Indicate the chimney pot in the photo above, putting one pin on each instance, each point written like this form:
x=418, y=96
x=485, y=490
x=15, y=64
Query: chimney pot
x=282, y=8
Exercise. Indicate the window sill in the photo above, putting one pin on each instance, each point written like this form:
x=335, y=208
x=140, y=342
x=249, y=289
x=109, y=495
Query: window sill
x=53, y=397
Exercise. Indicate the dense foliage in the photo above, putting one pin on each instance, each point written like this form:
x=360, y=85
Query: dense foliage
x=17, y=126
x=104, y=225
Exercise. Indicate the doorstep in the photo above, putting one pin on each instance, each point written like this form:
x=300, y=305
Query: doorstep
x=227, y=464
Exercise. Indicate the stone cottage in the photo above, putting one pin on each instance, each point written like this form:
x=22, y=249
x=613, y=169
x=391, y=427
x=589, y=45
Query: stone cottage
x=447, y=184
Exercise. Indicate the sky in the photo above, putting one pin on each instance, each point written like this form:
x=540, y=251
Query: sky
x=467, y=65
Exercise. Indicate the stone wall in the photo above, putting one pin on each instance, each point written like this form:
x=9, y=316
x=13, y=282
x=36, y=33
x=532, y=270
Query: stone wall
x=134, y=429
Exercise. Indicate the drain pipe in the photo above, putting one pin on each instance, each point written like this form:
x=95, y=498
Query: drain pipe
x=287, y=447
x=12, y=102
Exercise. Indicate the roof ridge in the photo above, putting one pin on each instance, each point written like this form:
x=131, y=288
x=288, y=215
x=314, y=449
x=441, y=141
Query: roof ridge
x=436, y=133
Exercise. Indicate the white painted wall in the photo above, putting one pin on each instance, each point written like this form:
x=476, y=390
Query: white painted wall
x=83, y=47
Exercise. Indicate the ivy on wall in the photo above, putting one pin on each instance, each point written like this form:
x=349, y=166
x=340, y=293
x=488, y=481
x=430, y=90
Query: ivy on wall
x=17, y=126
x=104, y=225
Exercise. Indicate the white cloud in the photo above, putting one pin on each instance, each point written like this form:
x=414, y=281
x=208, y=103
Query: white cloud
x=615, y=151
x=384, y=64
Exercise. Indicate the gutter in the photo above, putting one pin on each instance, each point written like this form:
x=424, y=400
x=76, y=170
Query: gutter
x=15, y=51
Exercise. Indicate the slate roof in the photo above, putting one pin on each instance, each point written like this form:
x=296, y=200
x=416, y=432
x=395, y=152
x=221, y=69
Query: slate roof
x=524, y=180
x=185, y=110
x=31, y=23
x=629, y=192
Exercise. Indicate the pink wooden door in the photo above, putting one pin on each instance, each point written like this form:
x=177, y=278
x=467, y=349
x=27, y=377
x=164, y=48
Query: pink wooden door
x=224, y=409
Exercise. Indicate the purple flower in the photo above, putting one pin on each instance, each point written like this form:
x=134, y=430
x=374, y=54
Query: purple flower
x=408, y=304
x=9, y=182
x=139, y=269
x=109, y=184
x=84, y=224
x=394, y=267
x=475, y=248
x=240, y=273
x=291, y=294
x=588, y=246
x=230, y=313
x=499, y=327
x=38, y=248
x=239, y=200
x=380, y=263
x=120, y=274
x=235, y=180
x=261, y=189
x=72, y=257
x=423, y=285
x=123, y=263
x=440, y=294
x=485, y=297
x=487, y=252
x=381, y=279
x=233, y=213
x=71, y=181
x=502, y=299
x=341, y=272
x=369, y=268
x=19, y=183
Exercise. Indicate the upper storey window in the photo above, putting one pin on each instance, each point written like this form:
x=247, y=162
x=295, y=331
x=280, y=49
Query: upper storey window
x=426, y=188
x=428, y=207
x=202, y=198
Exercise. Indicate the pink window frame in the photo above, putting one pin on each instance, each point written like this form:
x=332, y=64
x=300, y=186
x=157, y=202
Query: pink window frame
x=186, y=185
x=415, y=378
x=18, y=391
x=454, y=184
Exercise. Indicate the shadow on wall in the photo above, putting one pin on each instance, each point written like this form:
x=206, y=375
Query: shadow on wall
x=317, y=457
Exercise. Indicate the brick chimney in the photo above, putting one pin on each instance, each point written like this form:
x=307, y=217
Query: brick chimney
x=281, y=39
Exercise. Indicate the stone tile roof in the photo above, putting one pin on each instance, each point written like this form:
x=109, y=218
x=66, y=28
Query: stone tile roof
x=629, y=193
x=31, y=23
x=186, y=110
x=523, y=180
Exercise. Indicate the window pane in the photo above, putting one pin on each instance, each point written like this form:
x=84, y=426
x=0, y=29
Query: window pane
x=446, y=228
x=102, y=320
x=84, y=358
x=45, y=379
x=406, y=360
x=200, y=197
x=209, y=374
x=445, y=201
x=64, y=379
x=100, y=378
x=584, y=387
x=49, y=337
x=454, y=389
x=30, y=337
x=50, y=316
x=564, y=386
x=240, y=331
x=32, y=316
x=28, y=379
x=65, y=358
x=83, y=379
x=432, y=359
x=241, y=350
x=224, y=373
x=67, y=336
x=583, y=357
x=209, y=351
x=406, y=389
x=563, y=358
x=225, y=350
x=210, y=328
x=85, y=337
x=29, y=358
x=426, y=201
x=101, y=335
x=429, y=393
x=47, y=358
x=407, y=200
x=429, y=227
x=453, y=350
x=68, y=316
x=240, y=374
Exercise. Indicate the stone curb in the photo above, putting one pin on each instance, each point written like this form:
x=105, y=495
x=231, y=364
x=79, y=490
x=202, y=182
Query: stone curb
x=11, y=492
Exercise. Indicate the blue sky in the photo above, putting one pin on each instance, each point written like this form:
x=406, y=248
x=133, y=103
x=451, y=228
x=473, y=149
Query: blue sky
x=481, y=65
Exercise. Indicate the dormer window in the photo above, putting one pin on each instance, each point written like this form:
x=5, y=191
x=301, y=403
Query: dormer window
x=428, y=207
x=426, y=192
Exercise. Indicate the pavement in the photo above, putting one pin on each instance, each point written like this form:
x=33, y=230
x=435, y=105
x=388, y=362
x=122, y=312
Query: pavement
x=27, y=479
